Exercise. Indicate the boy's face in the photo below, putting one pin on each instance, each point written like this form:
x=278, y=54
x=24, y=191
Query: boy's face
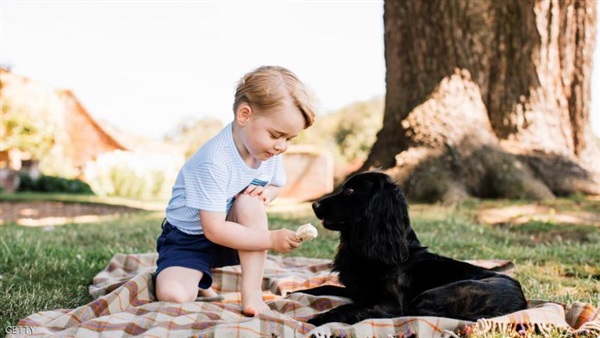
x=265, y=134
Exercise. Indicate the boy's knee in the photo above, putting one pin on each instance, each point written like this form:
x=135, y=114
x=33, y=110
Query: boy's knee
x=175, y=293
x=248, y=210
x=245, y=204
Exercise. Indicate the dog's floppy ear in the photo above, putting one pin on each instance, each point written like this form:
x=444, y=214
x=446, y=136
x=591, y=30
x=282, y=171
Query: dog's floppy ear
x=383, y=235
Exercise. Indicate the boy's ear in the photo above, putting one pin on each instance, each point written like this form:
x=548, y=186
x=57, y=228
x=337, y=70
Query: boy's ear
x=243, y=113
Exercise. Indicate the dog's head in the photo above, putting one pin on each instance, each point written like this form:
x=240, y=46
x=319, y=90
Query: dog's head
x=372, y=215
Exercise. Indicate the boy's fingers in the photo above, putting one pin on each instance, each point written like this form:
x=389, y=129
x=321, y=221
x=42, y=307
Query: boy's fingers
x=254, y=190
x=296, y=241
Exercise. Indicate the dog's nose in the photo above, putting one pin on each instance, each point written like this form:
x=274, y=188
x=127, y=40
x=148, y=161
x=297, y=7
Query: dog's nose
x=315, y=205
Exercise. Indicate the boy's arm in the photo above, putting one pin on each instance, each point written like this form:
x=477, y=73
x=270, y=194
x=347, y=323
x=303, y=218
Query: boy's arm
x=233, y=235
x=237, y=236
x=271, y=191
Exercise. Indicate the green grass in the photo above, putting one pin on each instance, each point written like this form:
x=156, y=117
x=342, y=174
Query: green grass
x=153, y=205
x=48, y=268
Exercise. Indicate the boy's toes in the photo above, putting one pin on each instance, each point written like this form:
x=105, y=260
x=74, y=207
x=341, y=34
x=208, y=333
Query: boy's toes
x=253, y=310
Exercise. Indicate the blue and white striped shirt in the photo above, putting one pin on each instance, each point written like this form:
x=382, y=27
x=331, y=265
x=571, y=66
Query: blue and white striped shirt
x=212, y=177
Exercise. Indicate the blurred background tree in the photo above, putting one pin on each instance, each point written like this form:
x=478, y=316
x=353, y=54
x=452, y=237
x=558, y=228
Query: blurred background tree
x=25, y=129
x=192, y=133
x=348, y=133
x=32, y=124
x=489, y=99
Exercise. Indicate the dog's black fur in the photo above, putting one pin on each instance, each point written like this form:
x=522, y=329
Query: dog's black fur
x=387, y=273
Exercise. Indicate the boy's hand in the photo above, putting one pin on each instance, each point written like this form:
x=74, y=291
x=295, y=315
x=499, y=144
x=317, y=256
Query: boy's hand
x=284, y=240
x=256, y=191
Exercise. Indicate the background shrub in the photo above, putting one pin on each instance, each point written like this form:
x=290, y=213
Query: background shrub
x=135, y=175
x=53, y=184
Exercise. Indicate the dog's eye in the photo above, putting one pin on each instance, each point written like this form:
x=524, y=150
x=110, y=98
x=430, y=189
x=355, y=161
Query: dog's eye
x=348, y=191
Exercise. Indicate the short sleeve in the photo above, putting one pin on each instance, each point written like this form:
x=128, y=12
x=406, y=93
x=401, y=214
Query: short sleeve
x=279, y=177
x=206, y=187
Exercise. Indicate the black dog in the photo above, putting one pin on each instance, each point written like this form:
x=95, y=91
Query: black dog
x=387, y=273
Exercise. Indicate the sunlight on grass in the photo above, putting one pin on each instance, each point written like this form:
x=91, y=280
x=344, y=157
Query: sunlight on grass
x=150, y=205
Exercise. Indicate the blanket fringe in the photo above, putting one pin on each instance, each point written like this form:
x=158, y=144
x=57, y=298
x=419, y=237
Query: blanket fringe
x=507, y=329
x=486, y=326
x=546, y=328
x=589, y=327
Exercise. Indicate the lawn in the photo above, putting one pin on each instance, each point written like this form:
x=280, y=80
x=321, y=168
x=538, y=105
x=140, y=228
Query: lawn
x=45, y=268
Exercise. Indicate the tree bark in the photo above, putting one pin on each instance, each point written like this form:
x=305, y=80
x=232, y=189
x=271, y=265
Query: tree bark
x=488, y=99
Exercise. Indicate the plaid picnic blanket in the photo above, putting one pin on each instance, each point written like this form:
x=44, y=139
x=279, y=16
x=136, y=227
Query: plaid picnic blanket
x=125, y=305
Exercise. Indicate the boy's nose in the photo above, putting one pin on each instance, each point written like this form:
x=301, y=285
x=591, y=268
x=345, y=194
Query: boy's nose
x=281, y=147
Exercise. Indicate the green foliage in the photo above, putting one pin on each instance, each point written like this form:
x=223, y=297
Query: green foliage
x=53, y=163
x=53, y=184
x=33, y=123
x=357, y=126
x=348, y=133
x=25, y=129
x=127, y=183
x=134, y=175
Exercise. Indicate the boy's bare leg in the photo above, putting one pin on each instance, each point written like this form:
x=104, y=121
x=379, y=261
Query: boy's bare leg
x=178, y=284
x=250, y=211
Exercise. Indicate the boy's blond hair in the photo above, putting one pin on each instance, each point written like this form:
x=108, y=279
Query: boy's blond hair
x=268, y=86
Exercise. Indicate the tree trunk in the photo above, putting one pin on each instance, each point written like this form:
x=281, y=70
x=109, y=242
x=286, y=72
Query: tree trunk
x=488, y=99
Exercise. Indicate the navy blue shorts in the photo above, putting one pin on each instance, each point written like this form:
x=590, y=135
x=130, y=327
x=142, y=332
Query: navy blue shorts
x=176, y=248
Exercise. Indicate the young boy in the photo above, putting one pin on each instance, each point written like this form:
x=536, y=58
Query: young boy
x=216, y=215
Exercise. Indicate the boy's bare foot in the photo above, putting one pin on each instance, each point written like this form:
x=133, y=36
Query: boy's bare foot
x=208, y=295
x=253, y=305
